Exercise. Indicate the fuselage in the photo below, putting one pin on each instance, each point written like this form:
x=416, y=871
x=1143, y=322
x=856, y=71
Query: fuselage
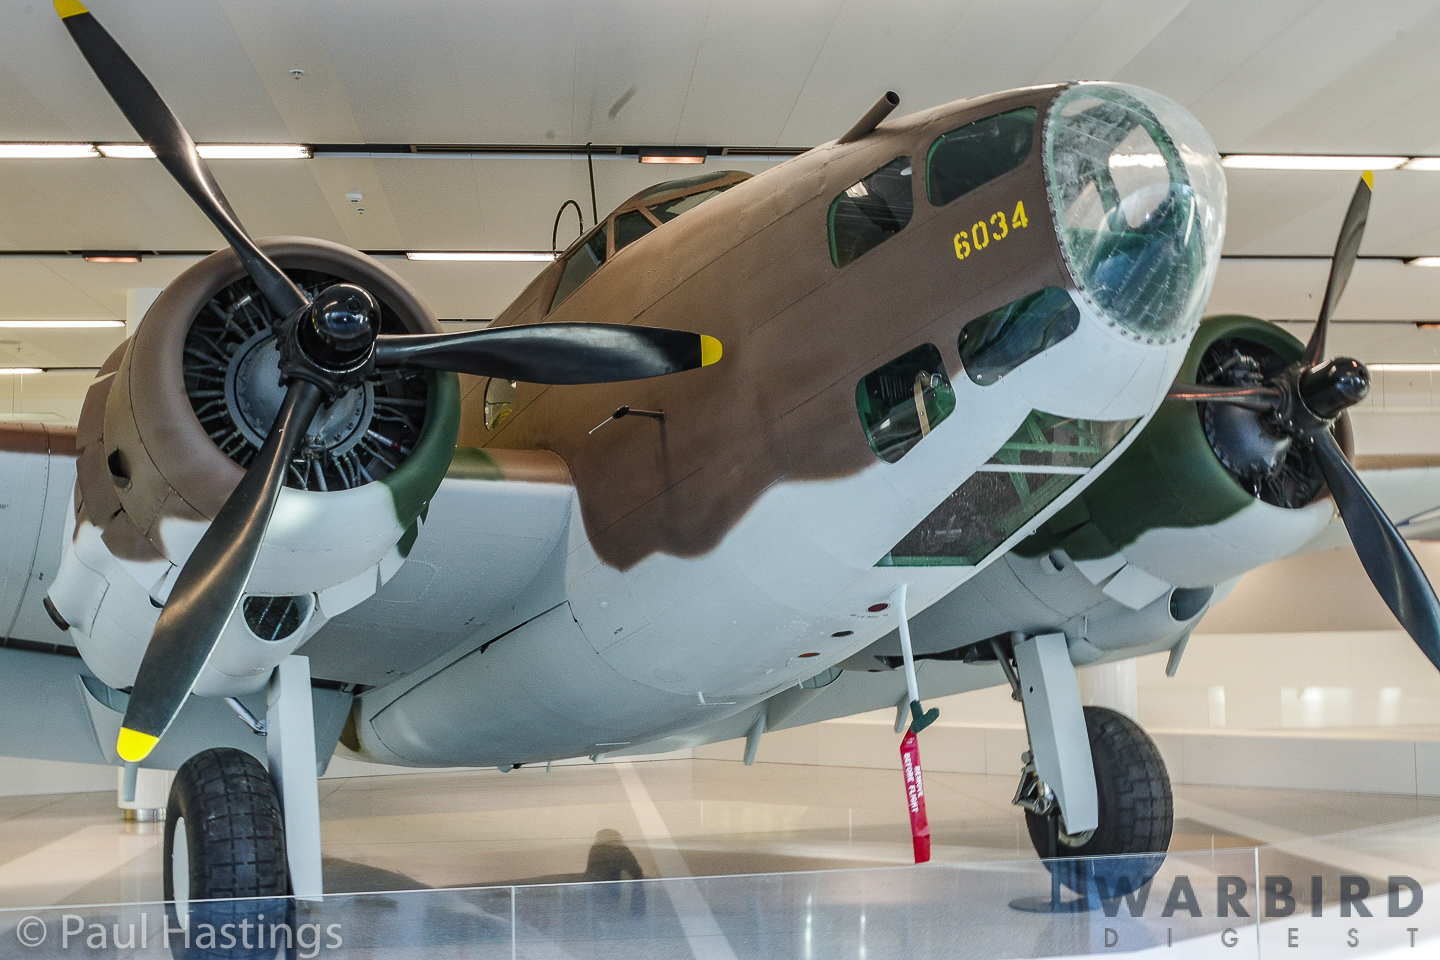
x=755, y=534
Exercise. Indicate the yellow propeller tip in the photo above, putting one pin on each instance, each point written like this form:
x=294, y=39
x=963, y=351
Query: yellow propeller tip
x=1369, y=179
x=134, y=746
x=69, y=8
x=710, y=350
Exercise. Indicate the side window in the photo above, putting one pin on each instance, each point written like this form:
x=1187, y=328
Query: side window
x=977, y=153
x=903, y=401
x=583, y=261
x=1037, y=464
x=996, y=343
x=499, y=402
x=871, y=212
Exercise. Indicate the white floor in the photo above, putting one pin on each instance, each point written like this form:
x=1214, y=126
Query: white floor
x=679, y=817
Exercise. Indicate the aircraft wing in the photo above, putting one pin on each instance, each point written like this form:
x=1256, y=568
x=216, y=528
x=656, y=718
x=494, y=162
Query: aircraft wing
x=494, y=540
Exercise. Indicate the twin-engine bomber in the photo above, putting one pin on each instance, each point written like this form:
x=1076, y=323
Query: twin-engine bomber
x=943, y=370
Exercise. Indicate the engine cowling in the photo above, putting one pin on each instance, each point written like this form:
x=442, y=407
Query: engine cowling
x=1191, y=503
x=167, y=429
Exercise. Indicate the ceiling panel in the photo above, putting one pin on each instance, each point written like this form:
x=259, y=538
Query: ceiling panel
x=1283, y=75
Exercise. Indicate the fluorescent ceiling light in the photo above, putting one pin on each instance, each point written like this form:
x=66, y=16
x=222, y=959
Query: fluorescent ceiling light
x=46, y=151
x=126, y=151
x=1423, y=262
x=60, y=324
x=214, y=151
x=18, y=371
x=672, y=154
x=1428, y=164
x=1404, y=367
x=492, y=256
x=1253, y=161
x=254, y=151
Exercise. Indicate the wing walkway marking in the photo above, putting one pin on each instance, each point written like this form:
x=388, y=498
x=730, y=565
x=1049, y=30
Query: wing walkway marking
x=707, y=941
x=47, y=875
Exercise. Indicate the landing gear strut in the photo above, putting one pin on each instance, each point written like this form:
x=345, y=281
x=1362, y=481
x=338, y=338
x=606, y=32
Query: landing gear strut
x=1094, y=786
x=1137, y=811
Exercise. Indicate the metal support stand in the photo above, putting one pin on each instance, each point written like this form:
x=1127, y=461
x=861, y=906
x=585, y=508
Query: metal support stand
x=290, y=744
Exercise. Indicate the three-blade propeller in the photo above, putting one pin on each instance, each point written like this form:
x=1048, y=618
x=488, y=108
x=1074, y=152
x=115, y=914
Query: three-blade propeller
x=1301, y=403
x=328, y=347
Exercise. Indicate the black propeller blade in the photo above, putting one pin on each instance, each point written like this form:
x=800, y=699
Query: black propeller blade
x=553, y=352
x=328, y=347
x=1300, y=404
x=159, y=128
x=1347, y=249
x=210, y=585
x=1383, y=551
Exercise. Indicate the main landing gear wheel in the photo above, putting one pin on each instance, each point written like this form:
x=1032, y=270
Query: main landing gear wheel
x=224, y=855
x=1137, y=813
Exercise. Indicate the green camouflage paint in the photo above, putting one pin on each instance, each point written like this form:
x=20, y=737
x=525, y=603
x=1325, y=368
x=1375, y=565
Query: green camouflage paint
x=1168, y=478
x=415, y=481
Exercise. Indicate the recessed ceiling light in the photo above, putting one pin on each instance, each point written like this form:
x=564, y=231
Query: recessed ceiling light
x=1255, y=161
x=672, y=154
x=18, y=371
x=1423, y=262
x=493, y=256
x=60, y=324
x=112, y=256
x=1422, y=163
x=254, y=151
x=46, y=151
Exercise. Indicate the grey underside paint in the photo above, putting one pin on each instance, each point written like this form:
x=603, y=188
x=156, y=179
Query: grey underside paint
x=489, y=556
x=34, y=498
x=47, y=713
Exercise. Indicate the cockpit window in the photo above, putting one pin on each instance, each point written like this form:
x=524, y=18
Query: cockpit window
x=650, y=208
x=630, y=227
x=996, y=343
x=668, y=210
x=977, y=153
x=583, y=261
x=871, y=211
x=686, y=185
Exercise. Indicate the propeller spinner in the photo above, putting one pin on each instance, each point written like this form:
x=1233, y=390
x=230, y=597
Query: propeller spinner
x=328, y=348
x=1300, y=404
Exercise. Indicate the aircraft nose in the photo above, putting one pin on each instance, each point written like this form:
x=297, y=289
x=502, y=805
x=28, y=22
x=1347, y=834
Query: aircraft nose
x=1138, y=197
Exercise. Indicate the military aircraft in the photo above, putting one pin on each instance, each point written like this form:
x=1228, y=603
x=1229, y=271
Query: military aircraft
x=673, y=493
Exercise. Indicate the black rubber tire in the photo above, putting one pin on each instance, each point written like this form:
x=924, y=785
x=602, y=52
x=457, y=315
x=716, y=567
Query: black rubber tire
x=235, y=838
x=1137, y=812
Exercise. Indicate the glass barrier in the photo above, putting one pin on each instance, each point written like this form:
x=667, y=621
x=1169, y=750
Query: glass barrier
x=1379, y=893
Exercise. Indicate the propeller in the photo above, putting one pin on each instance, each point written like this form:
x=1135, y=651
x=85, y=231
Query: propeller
x=1300, y=404
x=328, y=347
